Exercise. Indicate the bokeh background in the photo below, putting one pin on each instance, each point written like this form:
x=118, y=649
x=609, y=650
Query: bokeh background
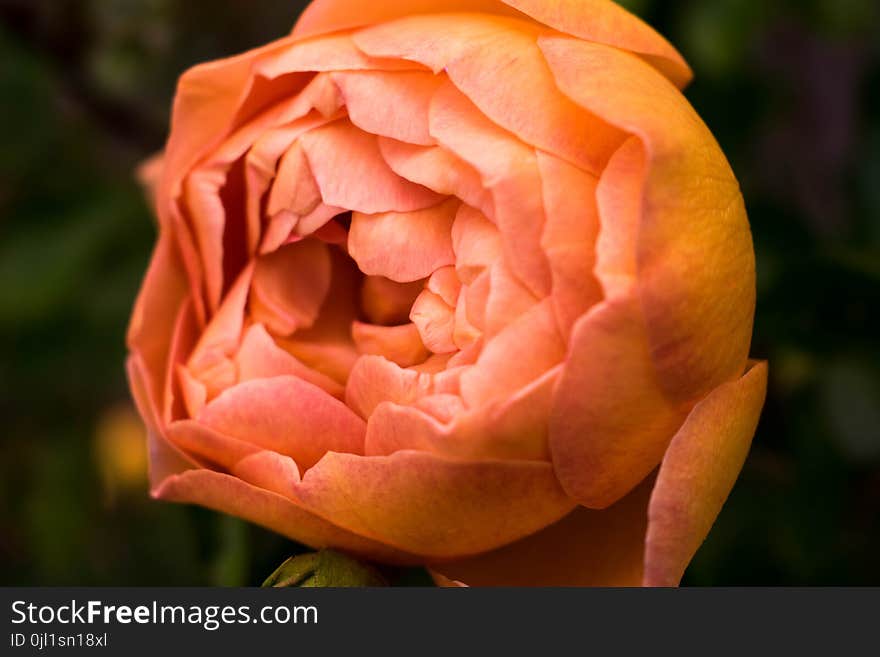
x=791, y=90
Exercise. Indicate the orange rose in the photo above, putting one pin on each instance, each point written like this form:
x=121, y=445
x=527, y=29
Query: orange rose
x=445, y=282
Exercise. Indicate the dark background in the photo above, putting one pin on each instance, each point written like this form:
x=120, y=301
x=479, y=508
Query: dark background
x=790, y=89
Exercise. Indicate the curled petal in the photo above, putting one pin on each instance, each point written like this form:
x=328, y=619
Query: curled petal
x=399, y=344
x=698, y=473
x=435, y=321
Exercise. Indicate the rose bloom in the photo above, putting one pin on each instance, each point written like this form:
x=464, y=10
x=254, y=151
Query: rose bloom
x=461, y=283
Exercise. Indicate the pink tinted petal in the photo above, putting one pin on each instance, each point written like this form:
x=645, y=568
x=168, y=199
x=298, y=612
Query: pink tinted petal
x=698, y=316
x=585, y=548
x=208, y=446
x=232, y=495
x=202, y=198
x=260, y=358
x=698, y=472
x=269, y=471
x=438, y=169
x=392, y=104
x=404, y=247
x=497, y=375
x=611, y=422
x=509, y=169
x=476, y=242
x=388, y=302
x=432, y=506
x=435, y=321
x=290, y=285
x=352, y=174
x=375, y=379
x=514, y=428
x=569, y=237
x=287, y=415
x=399, y=344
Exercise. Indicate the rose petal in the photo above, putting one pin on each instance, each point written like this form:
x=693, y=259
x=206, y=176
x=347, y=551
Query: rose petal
x=435, y=507
x=569, y=237
x=491, y=60
x=611, y=421
x=404, y=247
x=509, y=169
x=388, y=302
x=260, y=358
x=435, y=321
x=375, y=379
x=595, y=20
x=352, y=174
x=155, y=314
x=476, y=242
x=497, y=374
x=695, y=259
x=392, y=104
x=287, y=415
x=698, y=472
x=289, y=286
x=514, y=428
x=438, y=169
x=399, y=344
x=585, y=548
x=232, y=495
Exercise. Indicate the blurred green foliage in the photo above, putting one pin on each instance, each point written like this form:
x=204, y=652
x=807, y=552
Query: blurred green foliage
x=791, y=90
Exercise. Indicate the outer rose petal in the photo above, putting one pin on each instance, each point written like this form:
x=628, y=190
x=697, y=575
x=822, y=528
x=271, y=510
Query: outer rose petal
x=611, y=422
x=586, y=548
x=698, y=473
x=695, y=261
x=431, y=506
x=595, y=20
x=232, y=495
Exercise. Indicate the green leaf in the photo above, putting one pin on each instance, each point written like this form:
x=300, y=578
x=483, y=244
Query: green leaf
x=324, y=568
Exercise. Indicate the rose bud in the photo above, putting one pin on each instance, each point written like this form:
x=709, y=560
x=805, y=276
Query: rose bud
x=460, y=283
